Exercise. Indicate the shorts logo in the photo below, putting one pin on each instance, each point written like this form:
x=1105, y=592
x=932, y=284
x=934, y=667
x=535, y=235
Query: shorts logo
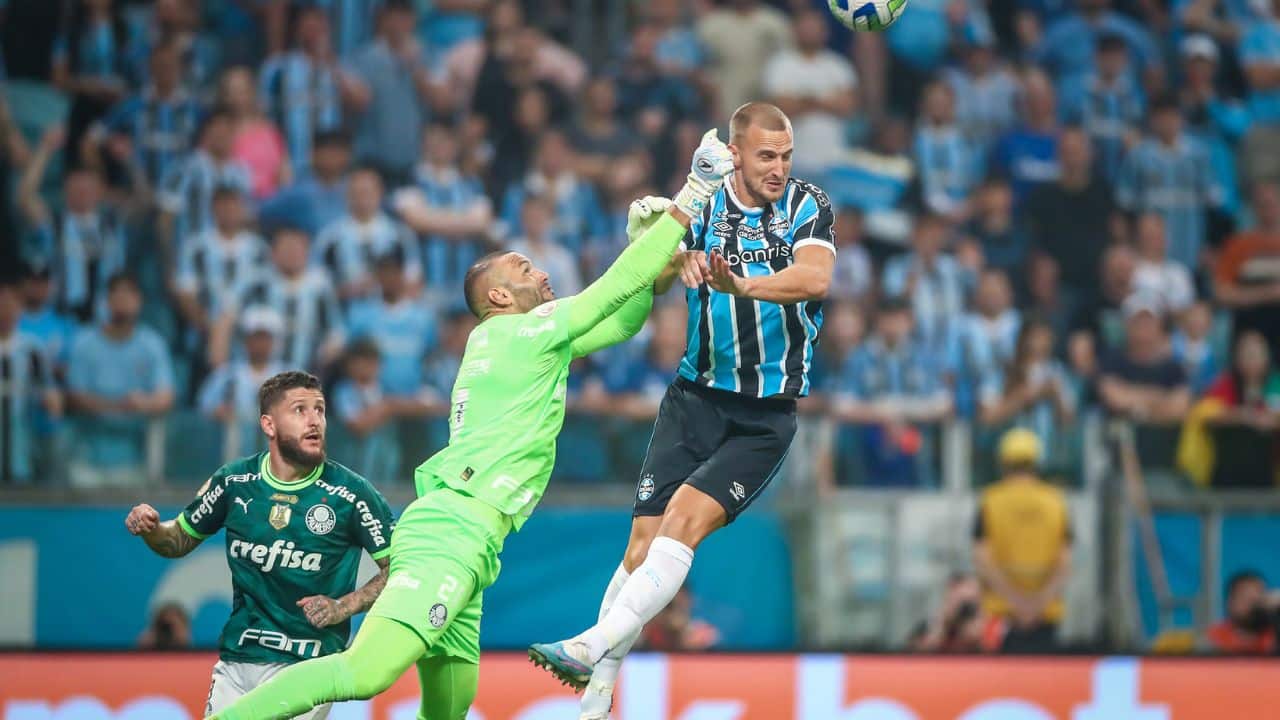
x=437, y=615
x=645, y=491
x=321, y=519
x=737, y=491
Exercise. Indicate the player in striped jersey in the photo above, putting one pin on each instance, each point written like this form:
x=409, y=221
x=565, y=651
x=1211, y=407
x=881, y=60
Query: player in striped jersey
x=759, y=264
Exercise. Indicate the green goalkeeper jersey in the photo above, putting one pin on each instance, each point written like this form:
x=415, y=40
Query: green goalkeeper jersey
x=507, y=404
x=286, y=541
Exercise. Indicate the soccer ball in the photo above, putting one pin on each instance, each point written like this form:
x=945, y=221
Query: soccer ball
x=867, y=15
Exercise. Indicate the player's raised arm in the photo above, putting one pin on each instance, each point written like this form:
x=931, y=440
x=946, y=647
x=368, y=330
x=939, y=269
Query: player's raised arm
x=640, y=264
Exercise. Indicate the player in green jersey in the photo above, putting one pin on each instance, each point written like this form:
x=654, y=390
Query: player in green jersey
x=296, y=526
x=507, y=409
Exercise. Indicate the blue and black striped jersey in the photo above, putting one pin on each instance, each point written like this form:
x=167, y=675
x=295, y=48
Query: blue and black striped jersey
x=755, y=348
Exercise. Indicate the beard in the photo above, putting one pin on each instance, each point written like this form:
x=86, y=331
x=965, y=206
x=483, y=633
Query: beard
x=292, y=452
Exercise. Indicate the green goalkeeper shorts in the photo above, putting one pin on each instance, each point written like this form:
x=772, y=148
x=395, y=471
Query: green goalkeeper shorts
x=444, y=553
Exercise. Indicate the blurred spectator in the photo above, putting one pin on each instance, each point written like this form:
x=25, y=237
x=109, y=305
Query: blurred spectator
x=626, y=181
x=678, y=49
x=737, y=34
x=402, y=325
x=957, y=624
x=1250, y=625
x=1232, y=436
x=814, y=86
x=354, y=23
x=653, y=98
x=931, y=282
x=675, y=629
x=91, y=64
x=950, y=165
x=843, y=329
x=176, y=23
x=26, y=377
x=304, y=90
x=41, y=317
x=448, y=209
x=230, y=394
x=185, y=195
x=169, y=629
x=1073, y=219
x=1068, y=47
x=1022, y=548
x=393, y=93
x=84, y=243
x=1247, y=276
x=215, y=262
x=918, y=50
x=890, y=386
x=1224, y=21
x=853, y=278
x=14, y=155
x=1155, y=275
x=519, y=58
x=1101, y=311
x=1032, y=390
x=1107, y=103
x=985, y=339
x=347, y=246
x=319, y=198
x=1216, y=121
x=443, y=362
x=636, y=388
x=1083, y=362
x=358, y=403
x=576, y=213
x=542, y=249
x=878, y=181
x=153, y=129
x=986, y=91
x=119, y=376
x=1192, y=346
x=1260, y=55
x=993, y=227
x=599, y=137
x=1169, y=173
x=257, y=143
x=302, y=296
x=1028, y=154
x=1144, y=382
x=1045, y=297
x=513, y=149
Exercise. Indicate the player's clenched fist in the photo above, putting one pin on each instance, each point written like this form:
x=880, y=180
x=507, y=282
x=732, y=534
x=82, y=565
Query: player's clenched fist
x=142, y=519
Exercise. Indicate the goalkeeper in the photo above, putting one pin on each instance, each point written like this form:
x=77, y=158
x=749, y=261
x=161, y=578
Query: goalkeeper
x=507, y=409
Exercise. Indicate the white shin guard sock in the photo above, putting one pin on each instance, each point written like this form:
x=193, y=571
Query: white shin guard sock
x=649, y=589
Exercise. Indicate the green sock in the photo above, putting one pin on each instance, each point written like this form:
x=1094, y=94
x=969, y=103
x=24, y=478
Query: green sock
x=448, y=687
x=381, y=652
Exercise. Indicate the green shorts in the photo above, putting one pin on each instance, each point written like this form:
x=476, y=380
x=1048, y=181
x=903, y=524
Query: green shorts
x=444, y=553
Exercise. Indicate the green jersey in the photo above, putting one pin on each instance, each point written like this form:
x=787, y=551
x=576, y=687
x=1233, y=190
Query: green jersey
x=507, y=404
x=286, y=541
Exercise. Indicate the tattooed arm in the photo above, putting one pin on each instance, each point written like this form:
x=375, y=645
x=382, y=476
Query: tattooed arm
x=324, y=611
x=166, y=539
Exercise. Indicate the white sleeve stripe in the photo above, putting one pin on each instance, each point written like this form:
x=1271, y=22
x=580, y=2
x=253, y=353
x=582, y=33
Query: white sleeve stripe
x=814, y=241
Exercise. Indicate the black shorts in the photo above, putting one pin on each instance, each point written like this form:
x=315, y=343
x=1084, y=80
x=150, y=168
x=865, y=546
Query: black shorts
x=727, y=445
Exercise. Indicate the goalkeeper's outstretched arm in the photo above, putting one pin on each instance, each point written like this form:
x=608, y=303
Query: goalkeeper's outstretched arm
x=632, y=273
x=640, y=264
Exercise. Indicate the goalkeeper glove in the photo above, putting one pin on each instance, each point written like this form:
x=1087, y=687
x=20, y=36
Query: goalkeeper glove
x=643, y=213
x=712, y=161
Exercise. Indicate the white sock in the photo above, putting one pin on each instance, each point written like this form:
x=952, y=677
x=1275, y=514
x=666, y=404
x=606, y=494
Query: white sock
x=598, y=696
x=648, y=590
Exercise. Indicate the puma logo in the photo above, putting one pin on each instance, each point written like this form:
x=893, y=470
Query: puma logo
x=243, y=503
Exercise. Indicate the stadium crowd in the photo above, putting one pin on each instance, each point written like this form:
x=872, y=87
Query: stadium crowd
x=1045, y=210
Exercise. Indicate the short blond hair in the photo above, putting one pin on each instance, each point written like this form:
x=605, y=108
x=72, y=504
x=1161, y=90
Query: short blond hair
x=765, y=115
